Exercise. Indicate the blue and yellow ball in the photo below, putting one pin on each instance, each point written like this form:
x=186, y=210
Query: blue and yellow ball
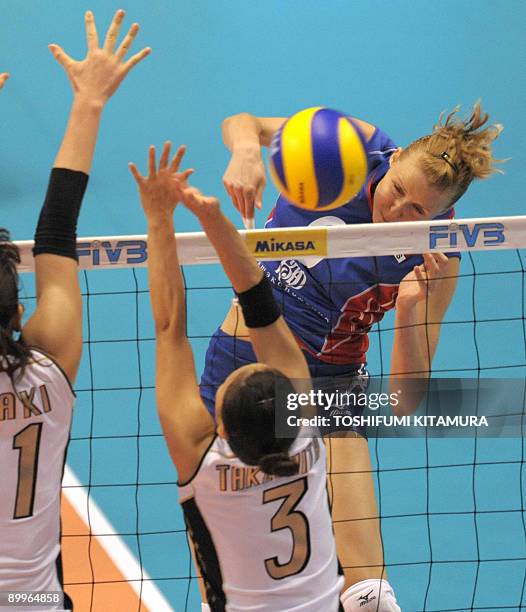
x=318, y=159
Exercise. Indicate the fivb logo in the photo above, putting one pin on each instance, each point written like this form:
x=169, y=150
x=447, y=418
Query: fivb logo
x=106, y=252
x=471, y=234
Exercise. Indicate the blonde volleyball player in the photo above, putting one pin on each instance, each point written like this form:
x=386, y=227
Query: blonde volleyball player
x=331, y=305
x=256, y=505
x=38, y=367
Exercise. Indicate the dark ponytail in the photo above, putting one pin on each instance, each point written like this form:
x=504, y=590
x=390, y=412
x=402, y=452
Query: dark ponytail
x=14, y=354
x=248, y=414
x=278, y=464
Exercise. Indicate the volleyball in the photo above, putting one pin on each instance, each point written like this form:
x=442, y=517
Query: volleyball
x=318, y=159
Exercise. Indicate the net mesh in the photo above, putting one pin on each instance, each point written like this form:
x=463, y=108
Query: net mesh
x=452, y=511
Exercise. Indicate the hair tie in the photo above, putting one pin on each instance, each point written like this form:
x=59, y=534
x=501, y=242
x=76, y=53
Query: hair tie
x=265, y=401
x=446, y=158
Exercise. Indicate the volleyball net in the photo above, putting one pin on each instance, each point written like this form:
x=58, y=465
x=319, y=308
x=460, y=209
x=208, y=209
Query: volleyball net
x=451, y=510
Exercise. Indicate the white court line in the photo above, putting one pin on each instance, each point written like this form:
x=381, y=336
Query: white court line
x=116, y=549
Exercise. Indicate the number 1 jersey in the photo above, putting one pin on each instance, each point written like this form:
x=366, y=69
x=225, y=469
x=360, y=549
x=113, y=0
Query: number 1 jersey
x=35, y=421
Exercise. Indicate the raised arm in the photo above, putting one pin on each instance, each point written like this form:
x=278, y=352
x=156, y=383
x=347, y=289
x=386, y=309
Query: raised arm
x=186, y=423
x=423, y=299
x=3, y=78
x=244, y=135
x=56, y=325
x=244, y=178
x=273, y=343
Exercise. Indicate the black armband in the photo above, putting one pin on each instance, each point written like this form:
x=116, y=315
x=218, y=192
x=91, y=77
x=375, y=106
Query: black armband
x=258, y=304
x=56, y=231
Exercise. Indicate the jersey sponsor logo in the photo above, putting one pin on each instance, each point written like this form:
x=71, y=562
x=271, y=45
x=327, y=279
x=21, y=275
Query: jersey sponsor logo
x=270, y=245
x=290, y=272
x=468, y=234
x=111, y=252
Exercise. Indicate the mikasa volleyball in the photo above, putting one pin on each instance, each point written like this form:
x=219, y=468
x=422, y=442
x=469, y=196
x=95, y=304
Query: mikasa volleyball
x=317, y=159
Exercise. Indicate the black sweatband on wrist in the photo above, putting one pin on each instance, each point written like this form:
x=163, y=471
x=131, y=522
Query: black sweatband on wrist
x=259, y=305
x=56, y=231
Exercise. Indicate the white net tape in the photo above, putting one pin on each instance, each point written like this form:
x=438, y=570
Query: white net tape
x=364, y=240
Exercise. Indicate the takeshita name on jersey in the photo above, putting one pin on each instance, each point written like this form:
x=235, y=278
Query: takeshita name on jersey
x=27, y=407
x=237, y=478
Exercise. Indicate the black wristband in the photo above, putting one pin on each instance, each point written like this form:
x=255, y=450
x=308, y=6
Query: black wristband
x=56, y=231
x=258, y=304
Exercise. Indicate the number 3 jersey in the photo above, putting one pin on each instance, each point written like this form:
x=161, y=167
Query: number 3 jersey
x=263, y=543
x=35, y=420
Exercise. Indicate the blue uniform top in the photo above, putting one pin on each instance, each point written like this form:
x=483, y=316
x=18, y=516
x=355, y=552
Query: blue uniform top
x=331, y=304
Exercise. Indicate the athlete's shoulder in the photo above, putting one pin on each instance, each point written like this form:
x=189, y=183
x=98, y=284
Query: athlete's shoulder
x=48, y=369
x=367, y=129
x=379, y=147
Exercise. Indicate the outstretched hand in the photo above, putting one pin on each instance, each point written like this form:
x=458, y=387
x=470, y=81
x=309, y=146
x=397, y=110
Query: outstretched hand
x=100, y=73
x=420, y=283
x=3, y=78
x=163, y=188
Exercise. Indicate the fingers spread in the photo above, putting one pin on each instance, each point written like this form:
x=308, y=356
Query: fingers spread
x=127, y=42
x=184, y=175
x=60, y=55
x=91, y=32
x=165, y=155
x=135, y=59
x=151, y=162
x=176, y=161
x=136, y=174
x=113, y=31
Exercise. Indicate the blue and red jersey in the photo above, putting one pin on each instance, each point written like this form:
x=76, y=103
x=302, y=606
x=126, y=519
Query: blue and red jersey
x=331, y=304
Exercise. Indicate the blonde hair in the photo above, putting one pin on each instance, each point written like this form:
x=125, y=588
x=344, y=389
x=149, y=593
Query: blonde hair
x=457, y=151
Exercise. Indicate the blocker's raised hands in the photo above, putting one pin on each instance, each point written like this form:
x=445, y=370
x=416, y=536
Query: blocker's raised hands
x=161, y=190
x=198, y=203
x=3, y=78
x=99, y=74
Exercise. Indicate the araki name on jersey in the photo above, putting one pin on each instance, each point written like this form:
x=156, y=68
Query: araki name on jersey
x=33, y=402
